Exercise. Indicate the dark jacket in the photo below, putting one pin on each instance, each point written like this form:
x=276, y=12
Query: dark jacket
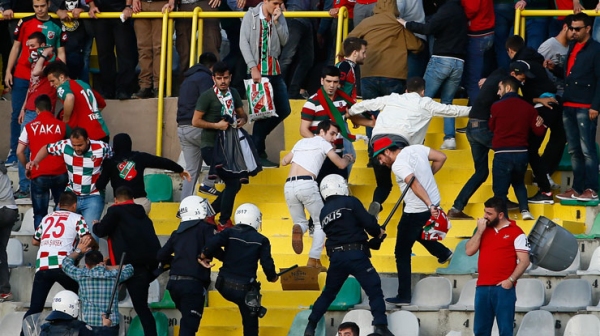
x=534, y=87
x=582, y=85
x=449, y=26
x=128, y=229
x=488, y=95
x=244, y=248
x=344, y=220
x=126, y=167
x=197, y=80
x=187, y=243
x=18, y=6
x=512, y=120
x=110, y=5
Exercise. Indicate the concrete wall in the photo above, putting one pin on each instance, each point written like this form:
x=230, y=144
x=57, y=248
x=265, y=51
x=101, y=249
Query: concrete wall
x=138, y=119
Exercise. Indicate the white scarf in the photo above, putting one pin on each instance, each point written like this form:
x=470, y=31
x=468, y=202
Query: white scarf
x=226, y=100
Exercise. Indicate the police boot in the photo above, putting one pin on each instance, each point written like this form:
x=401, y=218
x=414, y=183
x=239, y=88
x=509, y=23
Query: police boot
x=382, y=330
x=316, y=263
x=310, y=329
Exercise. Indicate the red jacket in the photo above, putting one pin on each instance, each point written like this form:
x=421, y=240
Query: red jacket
x=511, y=121
x=481, y=16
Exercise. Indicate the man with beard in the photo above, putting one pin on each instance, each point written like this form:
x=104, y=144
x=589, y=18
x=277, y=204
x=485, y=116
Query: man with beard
x=502, y=260
x=355, y=52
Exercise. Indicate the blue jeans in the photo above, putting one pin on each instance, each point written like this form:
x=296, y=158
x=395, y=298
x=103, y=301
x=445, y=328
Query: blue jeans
x=373, y=87
x=505, y=20
x=536, y=30
x=509, y=169
x=474, y=64
x=480, y=139
x=581, y=139
x=23, y=180
x=19, y=92
x=90, y=207
x=494, y=301
x=264, y=127
x=444, y=74
x=40, y=198
x=417, y=62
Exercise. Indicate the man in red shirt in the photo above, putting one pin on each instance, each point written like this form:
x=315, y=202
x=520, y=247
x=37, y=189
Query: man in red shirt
x=19, y=81
x=501, y=244
x=512, y=119
x=51, y=176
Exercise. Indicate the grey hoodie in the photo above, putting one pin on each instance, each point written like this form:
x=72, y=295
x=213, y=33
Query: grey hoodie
x=250, y=36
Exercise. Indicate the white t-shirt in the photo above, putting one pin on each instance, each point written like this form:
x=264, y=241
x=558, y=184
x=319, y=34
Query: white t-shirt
x=414, y=160
x=310, y=153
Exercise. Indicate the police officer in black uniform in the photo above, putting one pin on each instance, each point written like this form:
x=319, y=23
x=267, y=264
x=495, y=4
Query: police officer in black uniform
x=189, y=281
x=244, y=248
x=345, y=220
x=62, y=321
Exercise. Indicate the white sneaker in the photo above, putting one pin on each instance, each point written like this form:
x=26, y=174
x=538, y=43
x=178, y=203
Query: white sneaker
x=526, y=215
x=449, y=144
x=553, y=184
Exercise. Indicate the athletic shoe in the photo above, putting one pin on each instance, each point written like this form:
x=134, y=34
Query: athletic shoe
x=297, y=243
x=144, y=94
x=374, y=209
x=449, y=144
x=510, y=205
x=11, y=159
x=553, y=185
x=445, y=260
x=567, y=195
x=526, y=215
x=21, y=194
x=541, y=198
x=587, y=195
x=397, y=301
x=6, y=297
x=458, y=214
x=204, y=189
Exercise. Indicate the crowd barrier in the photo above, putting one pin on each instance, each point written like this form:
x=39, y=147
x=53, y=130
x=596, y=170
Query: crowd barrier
x=522, y=15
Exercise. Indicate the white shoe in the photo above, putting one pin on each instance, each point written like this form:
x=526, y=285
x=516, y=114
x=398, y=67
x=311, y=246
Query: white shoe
x=449, y=144
x=526, y=215
x=553, y=184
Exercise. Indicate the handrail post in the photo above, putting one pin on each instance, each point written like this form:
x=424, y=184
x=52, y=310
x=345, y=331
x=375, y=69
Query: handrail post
x=193, y=56
x=170, y=57
x=340, y=31
x=517, y=22
x=201, y=34
x=523, y=26
x=161, y=83
x=346, y=23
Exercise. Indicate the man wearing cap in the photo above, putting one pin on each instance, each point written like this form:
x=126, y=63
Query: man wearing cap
x=404, y=118
x=480, y=136
x=420, y=204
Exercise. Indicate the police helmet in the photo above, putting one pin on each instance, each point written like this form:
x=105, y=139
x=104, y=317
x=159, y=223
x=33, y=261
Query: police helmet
x=194, y=208
x=248, y=214
x=333, y=184
x=66, y=302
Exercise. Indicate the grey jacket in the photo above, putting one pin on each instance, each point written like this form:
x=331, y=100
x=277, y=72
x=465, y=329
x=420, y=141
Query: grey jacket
x=250, y=36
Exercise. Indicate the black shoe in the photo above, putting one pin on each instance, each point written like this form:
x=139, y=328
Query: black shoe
x=144, y=94
x=374, y=209
x=310, y=329
x=510, y=205
x=447, y=258
x=541, y=198
x=397, y=301
x=382, y=330
x=123, y=96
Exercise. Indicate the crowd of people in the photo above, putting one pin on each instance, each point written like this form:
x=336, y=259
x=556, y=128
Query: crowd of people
x=398, y=56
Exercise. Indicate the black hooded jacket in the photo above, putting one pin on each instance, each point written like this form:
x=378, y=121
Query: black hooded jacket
x=128, y=229
x=197, y=80
x=126, y=167
x=534, y=87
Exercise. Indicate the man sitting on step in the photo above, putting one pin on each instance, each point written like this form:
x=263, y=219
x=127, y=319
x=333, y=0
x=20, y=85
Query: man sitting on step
x=302, y=191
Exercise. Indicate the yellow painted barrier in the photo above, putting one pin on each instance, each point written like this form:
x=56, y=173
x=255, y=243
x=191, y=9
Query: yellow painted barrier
x=521, y=16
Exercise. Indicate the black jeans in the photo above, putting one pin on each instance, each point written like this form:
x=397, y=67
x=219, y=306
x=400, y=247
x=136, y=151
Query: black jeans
x=137, y=286
x=409, y=231
x=43, y=282
x=298, y=55
x=238, y=297
x=8, y=217
x=189, y=296
x=223, y=204
x=111, y=34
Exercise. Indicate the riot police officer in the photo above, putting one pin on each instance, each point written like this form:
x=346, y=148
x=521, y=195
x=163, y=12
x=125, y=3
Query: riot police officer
x=345, y=220
x=244, y=248
x=63, y=318
x=188, y=280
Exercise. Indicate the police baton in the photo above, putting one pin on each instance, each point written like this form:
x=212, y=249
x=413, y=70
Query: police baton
x=375, y=242
x=116, y=285
x=287, y=270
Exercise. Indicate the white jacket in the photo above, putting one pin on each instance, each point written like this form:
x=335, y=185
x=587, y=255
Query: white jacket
x=407, y=115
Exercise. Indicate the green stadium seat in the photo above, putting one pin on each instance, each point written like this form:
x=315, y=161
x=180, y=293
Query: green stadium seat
x=299, y=324
x=460, y=263
x=165, y=303
x=594, y=232
x=348, y=296
x=159, y=187
x=162, y=325
x=579, y=203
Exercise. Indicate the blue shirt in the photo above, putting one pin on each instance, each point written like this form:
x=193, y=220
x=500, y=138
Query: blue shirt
x=95, y=289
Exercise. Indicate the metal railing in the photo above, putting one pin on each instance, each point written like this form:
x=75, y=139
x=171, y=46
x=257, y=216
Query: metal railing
x=197, y=16
x=522, y=15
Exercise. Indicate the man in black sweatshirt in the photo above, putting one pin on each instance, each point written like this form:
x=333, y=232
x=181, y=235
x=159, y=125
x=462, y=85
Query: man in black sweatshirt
x=129, y=230
x=126, y=168
x=188, y=280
